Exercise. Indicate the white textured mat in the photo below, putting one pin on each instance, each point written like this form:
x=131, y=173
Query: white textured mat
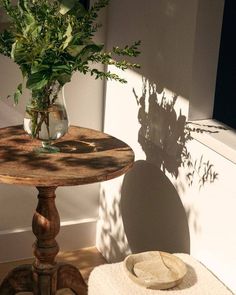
x=111, y=279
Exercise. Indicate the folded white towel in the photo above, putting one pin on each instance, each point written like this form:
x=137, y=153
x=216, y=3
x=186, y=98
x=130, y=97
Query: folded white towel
x=111, y=279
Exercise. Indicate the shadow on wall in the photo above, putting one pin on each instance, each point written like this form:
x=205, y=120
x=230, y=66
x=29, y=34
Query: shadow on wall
x=143, y=210
x=153, y=215
x=152, y=211
x=164, y=135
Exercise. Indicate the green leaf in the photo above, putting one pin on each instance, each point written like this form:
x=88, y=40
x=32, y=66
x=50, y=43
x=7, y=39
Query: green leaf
x=38, y=67
x=37, y=80
x=89, y=50
x=77, y=38
x=61, y=73
x=75, y=50
x=23, y=4
x=95, y=47
x=18, y=52
x=6, y=41
x=29, y=19
x=61, y=68
x=25, y=69
x=18, y=93
x=68, y=36
x=66, y=5
x=64, y=78
x=32, y=27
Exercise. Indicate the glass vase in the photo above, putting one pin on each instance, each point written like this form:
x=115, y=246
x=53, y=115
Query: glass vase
x=46, y=117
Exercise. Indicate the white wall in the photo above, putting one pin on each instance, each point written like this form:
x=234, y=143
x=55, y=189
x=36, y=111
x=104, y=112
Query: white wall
x=78, y=206
x=211, y=215
x=154, y=206
x=167, y=32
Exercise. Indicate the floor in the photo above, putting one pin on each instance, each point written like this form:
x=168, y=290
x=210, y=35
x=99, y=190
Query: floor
x=85, y=259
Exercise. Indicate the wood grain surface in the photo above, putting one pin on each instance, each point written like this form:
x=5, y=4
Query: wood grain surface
x=85, y=156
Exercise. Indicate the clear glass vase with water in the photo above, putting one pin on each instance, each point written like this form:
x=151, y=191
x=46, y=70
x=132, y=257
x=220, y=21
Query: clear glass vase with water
x=46, y=118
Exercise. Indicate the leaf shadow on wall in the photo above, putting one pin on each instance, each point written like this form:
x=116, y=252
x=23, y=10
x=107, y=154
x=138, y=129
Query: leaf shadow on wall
x=153, y=215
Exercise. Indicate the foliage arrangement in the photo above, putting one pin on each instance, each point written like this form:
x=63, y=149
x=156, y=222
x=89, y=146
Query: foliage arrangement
x=50, y=40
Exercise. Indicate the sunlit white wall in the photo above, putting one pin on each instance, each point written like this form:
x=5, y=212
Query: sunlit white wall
x=211, y=216
x=172, y=57
x=167, y=32
x=77, y=205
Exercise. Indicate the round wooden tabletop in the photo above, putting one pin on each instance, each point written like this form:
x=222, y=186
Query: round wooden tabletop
x=85, y=156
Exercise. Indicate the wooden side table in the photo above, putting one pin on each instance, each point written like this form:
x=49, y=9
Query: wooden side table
x=86, y=156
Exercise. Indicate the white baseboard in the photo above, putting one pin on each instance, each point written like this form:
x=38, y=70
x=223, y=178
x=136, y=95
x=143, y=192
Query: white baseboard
x=16, y=244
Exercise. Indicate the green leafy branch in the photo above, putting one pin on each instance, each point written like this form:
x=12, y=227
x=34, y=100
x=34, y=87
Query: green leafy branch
x=50, y=40
x=128, y=50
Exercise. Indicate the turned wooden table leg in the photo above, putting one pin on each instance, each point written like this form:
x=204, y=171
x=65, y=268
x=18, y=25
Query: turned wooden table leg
x=45, y=276
x=49, y=276
x=46, y=225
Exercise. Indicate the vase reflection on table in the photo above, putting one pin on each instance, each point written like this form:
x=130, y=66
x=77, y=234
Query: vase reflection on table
x=46, y=117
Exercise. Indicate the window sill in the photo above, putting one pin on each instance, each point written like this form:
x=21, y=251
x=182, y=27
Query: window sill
x=217, y=136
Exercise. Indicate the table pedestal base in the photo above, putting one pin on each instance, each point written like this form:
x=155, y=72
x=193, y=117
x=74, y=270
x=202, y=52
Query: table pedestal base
x=45, y=276
x=24, y=279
